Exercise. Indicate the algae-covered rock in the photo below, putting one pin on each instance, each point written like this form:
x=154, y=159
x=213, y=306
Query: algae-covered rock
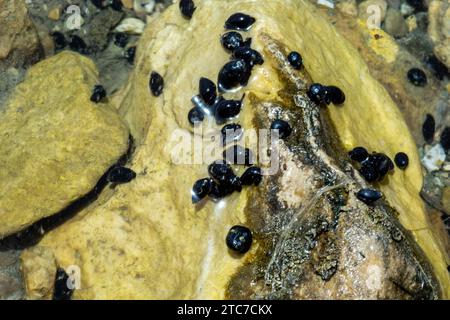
x=55, y=142
x=313, y=238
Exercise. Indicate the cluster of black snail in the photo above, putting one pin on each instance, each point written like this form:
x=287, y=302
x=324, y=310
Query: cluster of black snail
x=222, y=180
x=374, y=167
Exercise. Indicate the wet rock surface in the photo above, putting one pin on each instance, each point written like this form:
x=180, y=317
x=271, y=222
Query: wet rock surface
x=19, y=41
x=315, y=254
x=56, y=144
x=138, y=224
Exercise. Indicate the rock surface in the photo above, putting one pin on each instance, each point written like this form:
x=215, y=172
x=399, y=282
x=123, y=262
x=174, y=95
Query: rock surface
x=146, y=240
x=439, y=29
x=56, y=143
x=19, y=41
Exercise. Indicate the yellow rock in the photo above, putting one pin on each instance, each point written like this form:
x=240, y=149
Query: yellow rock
x=145, y=239
x=55, y=13
x=382, y=44
x=39, y=270
x=56, y=144
x=19, y=40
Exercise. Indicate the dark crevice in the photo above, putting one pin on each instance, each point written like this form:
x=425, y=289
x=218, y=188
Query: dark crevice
x=34, y=233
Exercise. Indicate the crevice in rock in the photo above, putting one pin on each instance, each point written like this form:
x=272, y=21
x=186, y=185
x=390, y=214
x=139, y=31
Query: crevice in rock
x=34, y=233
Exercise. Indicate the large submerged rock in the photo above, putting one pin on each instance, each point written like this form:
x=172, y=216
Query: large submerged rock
x=55, y=142
x=313, y=238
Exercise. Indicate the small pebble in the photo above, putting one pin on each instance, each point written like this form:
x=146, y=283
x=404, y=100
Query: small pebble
x=131, y=26
x=434, y=158
x=239, y=239
x=401, y=160
x=417, y=77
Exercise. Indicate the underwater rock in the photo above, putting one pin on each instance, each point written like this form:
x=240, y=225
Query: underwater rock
x=333, y=246
x=439, y=29
x=56, y=143
x=19, y=40
x=39, y=270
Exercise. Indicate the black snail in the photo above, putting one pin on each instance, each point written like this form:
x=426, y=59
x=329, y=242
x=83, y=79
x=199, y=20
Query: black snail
x=231, y=40
x=156, y=83
x=233, y=74
x=401, y=160
x=417, y=77
x=284, y=129
x=239, y=239
x=208, y=91
x=61, y=290
x=368, y=196
x=252, y=176
x=227, y=109
x=239, y=21
x=358, y=154
x=201, y=189
x=119, y=174
x=195, y=116
x=98, y=93
x=187, y=8
x=295, y=60
x=428, y=128
x=249, y=55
